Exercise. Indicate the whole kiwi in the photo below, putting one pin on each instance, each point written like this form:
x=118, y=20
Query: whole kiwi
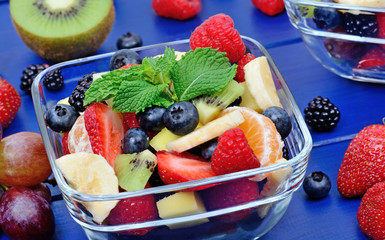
x=63, y=30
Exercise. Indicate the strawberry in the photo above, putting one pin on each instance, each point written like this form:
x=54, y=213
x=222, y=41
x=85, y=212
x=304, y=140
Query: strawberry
x=233, y=153
x=371, y=213
x=10, y=102
x=373, y=58
x=64, y=143
x=231, y=194
x=177, y=9
x=363, y=163
x=129, y=121
x=134, y=210
x=128, y=66
x=182, y=167
x=105, y=130
x=269, y=7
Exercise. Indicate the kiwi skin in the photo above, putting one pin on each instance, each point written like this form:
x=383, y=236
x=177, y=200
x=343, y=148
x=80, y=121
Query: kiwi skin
x=70, y=47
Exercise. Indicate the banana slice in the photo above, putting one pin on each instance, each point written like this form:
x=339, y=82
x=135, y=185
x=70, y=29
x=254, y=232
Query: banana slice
x=260, y=83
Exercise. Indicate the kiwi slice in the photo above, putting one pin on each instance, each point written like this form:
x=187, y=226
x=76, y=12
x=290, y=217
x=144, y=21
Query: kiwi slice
x=134, y=170
x=210, y=106
x=62, y=30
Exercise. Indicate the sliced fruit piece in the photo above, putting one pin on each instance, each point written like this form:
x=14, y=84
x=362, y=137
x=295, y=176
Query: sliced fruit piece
x=64, y=101
x=261, y=134
x=260, y=83
x=181, y=204
x=105, y=130
x=182, y=167
x=210, y=106
x=52, y=29
x=248, y=100
x=134, y=170
x=90, y=174
x=276, y=183
x=78, y=139
x=207, y=132
x=161, y=139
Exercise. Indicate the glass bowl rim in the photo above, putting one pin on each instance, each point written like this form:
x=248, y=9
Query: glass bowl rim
x=78, y=196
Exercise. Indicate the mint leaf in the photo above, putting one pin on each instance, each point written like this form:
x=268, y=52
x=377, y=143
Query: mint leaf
x=202, y=71
x=135, y=96
x=157, y=69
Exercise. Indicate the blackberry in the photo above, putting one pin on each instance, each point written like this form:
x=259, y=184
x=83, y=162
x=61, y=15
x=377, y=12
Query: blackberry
x=29, y=74
x=77, y=97
x=321, y=115
x=285, y=153
x=53, y=80
x=362, y=25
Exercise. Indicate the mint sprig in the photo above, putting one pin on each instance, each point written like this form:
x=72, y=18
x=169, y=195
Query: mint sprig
x=161, y=81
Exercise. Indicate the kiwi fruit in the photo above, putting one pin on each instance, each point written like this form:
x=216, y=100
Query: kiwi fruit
x=210, y=106
x=63, y=30
x=134, y=170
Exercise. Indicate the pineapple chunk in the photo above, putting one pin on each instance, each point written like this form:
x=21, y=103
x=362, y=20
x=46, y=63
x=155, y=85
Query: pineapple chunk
x=181, y=204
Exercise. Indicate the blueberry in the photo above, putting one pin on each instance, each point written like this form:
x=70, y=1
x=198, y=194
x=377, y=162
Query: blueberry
x=129, y=40
x=135, y=140
x=124, y=57
x=280, y=119
x=317, y=185
x=327, y=18
x=61, y=117
x=151, y=119
x=237, y=102
x=181, y=118
x=207, y=148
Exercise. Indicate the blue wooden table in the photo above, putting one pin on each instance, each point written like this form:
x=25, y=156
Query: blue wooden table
x=360, y=104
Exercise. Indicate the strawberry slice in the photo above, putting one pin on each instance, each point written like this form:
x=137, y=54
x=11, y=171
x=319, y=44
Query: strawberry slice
x=373, y=58
x=129, y=120
x=64, y=143
x=176, y=167
x=105, y=130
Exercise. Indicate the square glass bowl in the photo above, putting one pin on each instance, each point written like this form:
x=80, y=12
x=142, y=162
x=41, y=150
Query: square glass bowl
x=264, y=212
x=336, y=43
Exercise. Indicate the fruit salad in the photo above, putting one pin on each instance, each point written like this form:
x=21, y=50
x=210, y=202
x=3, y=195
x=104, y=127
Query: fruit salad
x=171, y=119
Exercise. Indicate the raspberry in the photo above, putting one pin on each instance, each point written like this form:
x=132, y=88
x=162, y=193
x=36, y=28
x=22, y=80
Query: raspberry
x=29, y=73
x=269, y=7
x=245, y=59
x=231, y=194
x=53, y=80
x=218, y=32
x=233, y=153
x=177, y=9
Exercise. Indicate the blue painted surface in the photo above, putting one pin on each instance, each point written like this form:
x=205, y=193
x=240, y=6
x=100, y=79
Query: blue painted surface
x=360, y=104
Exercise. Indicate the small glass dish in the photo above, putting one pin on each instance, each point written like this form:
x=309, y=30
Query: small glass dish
x=265, y=211
x=339, y=45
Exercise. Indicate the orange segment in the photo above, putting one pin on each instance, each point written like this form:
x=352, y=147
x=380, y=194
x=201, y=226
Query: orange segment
x=78, y=140
x=261, y=134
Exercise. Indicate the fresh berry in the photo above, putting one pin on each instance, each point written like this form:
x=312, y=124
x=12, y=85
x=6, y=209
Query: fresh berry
x=1, y=131
x=371, y=212
x=177, y=9
x=317, y=185
x=237, y=102
x=182, y=167
x=105, y=130
x=124, y=57
x=381, y=26
x=128, y=66
x=129, y=40
x=373, y=58
x=285, y=153
x=233, y=153
x=29, y=74
x=269, y=7
x=53, y=80
x=218, y=32
x=151, y=119
x=321, y=114
x=76, y=99
x=129, y=120
x=61, y=117
x=363, y=162
x=231, y=194
x=245, y=59
x=181, y=118
x=343, y=49
x=135, y=140
x=134, y=210
x=207, y=148
x=326, y=17
x=155, y=179
x=10, y=102
x=280, y=119
x=364, y=25
x=64, y=143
